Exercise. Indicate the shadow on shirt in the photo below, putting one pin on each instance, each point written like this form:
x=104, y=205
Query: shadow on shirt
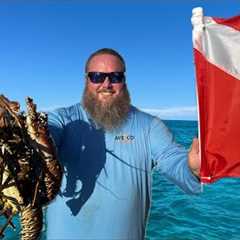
x=83, y=156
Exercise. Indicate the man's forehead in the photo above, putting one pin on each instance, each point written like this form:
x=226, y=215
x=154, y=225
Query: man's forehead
x=105, y=60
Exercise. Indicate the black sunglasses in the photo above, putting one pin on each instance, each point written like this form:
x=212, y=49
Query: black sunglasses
x=99, y=77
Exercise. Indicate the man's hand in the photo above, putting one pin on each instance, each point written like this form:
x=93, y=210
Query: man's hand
x=193, y=157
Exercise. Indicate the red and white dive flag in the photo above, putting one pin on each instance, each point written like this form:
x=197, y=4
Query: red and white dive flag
x=216, y=43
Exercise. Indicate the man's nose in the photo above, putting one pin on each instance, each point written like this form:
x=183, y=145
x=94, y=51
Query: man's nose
x=107, y=83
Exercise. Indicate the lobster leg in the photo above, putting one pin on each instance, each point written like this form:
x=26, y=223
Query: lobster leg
x=7, y=215
x=9, y=221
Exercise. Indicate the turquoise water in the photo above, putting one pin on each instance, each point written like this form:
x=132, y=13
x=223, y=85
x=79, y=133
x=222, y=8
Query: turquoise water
x=212, y=215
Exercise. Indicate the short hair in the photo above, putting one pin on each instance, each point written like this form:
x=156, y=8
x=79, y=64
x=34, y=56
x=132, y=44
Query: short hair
x=109, y=51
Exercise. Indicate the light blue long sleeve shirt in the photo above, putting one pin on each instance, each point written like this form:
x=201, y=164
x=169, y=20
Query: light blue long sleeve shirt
x=106, y=188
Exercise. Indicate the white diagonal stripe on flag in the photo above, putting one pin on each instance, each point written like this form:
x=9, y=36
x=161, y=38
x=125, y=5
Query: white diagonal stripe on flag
x=220, y=44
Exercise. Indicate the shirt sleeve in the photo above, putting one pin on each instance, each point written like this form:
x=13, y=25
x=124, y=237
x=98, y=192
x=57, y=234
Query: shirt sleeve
x=56, y=126
x=171, y=159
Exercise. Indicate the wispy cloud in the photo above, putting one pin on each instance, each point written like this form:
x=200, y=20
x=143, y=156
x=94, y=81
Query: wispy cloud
x=50, y=108
x=184, y=113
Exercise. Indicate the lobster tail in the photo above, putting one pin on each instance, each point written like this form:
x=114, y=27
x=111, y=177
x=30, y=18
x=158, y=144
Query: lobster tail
x=31, y=223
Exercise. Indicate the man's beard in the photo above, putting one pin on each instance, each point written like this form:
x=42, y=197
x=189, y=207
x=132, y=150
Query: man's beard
x=108, y=114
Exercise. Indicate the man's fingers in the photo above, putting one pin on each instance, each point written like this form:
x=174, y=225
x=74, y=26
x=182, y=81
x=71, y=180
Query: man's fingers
x=195, y=145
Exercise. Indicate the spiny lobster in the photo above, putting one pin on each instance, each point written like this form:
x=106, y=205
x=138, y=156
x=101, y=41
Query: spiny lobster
x=30, y=175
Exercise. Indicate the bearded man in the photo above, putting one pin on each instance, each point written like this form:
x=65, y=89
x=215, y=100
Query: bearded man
x=108, y=149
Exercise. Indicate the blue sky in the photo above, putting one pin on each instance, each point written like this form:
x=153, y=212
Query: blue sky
x=44, y=46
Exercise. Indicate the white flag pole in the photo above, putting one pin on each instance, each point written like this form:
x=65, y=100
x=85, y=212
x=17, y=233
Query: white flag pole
x=198, y=28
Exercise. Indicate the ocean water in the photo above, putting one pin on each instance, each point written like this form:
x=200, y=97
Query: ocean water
x=174, y=215
x=212, y=215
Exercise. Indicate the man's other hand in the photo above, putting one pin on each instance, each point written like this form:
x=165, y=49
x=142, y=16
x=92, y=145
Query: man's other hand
x=193, y=157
